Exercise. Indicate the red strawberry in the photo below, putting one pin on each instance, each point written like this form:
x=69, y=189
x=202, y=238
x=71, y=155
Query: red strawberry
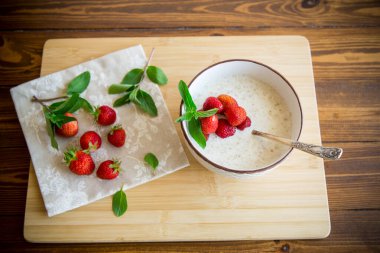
x=105, y=115
x=108, y=169
x=225, y=129
x=235, y=115
x=209, y=124
x=79, y=162
x=211, y=103
x=117, y=136
x=90, y=140
x=68, y=129
x=227, y=101
x=246, y=123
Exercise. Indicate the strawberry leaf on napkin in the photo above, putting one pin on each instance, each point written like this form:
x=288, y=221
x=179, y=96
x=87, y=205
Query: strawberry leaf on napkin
x=133, y=77
x=156, y=75
x=79, y=83
x=152, y=160
x=131, y=85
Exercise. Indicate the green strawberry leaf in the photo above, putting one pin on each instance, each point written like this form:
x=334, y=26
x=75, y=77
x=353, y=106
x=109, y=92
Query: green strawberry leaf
x=156, y=75
x=122, y=100
x=185, y=117
x=87, y=106
x=205, y=114
x=133, y=96
x=152, y=160
x=78, y=104
x=50, y=130
x=195, y=131
x=133, y=77
x=146, y=103
x=119, y=203
x=79, y=83
x=119, y=88
x=187, y=99
x=54, y=106
x=67, y=105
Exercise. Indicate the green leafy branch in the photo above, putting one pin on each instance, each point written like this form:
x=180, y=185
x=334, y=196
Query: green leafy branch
x=130, y=86
x=192, y=115
x=55, y=113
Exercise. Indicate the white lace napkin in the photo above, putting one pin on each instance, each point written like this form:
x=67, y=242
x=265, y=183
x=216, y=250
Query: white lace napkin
x=61, y=189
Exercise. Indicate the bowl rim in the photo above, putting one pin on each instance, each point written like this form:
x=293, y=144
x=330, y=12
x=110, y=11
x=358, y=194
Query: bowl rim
x=225, y=168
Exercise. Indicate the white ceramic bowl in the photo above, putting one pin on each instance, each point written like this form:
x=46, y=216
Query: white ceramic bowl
x=257, y=71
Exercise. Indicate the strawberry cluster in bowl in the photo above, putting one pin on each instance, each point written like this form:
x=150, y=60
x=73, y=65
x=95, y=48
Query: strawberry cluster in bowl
x=229, y=117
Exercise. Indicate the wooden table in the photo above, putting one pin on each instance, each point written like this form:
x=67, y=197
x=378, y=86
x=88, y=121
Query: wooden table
x=345, y=44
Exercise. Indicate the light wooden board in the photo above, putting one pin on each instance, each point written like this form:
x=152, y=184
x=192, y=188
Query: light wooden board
x=194, y=204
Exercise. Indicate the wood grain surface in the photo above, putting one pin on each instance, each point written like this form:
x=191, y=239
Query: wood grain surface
x=345, y=45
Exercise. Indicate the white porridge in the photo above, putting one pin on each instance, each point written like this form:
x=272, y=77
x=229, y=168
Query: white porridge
x=268, y=112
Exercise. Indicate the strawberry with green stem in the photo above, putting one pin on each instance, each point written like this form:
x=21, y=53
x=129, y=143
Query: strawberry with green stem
x=109, y=169
x=79, y=161
x=104, y=115
x=91, y=141
x=117, y=136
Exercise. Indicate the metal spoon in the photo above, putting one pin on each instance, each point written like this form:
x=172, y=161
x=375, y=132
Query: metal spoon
x=323, y=152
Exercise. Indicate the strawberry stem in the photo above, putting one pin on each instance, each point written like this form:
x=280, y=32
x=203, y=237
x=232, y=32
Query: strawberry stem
x=146, y=65
x=35, y=99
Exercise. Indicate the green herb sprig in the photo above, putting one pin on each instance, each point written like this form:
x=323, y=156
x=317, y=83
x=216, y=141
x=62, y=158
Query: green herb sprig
x=54, y=113
x=130, y=86
x=192, y=115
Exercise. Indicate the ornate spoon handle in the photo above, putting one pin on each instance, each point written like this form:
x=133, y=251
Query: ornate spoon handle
x=323, y=152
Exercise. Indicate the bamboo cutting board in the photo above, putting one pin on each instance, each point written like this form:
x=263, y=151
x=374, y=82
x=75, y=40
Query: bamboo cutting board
x=193, y=204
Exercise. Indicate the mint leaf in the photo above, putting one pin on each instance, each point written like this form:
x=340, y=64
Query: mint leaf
x=67, y=105
x=133, y=95
x=185, y=117
x=187, y=99
x=78, y=104
x=62, y=119
x=58, y=119
x=145, y=102
x=119, y=203
x=195, y=131
x=122, y=101
x=86, y=105
x=133, y=77
x=119, y=88
x=79, y=83
x=156, y=75
x=152, y=160
x=205, y=114
x=54, y=106
x=50, y=130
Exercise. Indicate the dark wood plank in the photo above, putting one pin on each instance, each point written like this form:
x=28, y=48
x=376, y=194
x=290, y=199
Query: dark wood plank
x=335, y=57
x=69, y=14
x=10, y=129
x=364, y=235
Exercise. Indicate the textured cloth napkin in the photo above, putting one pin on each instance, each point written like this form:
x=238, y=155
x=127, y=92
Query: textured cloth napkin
x=63, y=190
